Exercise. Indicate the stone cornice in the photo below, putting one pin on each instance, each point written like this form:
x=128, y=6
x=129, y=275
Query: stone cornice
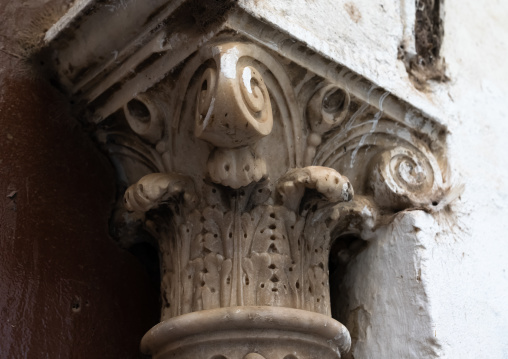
x=89, y=69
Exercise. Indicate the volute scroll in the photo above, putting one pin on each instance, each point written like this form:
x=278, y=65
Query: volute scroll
x=233, y=106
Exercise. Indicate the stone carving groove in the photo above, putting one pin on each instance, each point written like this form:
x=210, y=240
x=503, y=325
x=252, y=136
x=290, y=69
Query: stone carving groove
x=244, y=166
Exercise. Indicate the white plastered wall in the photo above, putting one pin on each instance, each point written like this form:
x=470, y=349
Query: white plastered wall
x=444, y=288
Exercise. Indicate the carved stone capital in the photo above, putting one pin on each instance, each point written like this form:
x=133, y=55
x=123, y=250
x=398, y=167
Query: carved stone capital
x=238, y=150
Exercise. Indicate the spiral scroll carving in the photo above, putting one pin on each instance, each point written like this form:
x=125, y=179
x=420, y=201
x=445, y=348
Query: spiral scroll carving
x=234, y=106
x=326, y=109
x=254, y=94
x=403, y=177
x=143, y=117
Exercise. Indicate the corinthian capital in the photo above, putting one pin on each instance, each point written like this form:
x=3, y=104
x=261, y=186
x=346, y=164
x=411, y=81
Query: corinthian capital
x=239, y=151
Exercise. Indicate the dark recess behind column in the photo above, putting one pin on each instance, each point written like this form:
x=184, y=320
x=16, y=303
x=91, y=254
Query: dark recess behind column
x=427, y=65
x=66, y=289
x=428, y=31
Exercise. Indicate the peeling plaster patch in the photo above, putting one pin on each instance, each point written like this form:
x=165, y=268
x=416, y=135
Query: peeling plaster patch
x=246, y=76
x=228, y=63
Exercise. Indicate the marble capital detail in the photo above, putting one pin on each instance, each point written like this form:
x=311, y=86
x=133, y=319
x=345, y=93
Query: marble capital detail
x=243, y=162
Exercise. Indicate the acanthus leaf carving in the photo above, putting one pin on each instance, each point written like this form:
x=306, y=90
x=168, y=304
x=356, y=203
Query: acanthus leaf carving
x=326, y=181
x=156, y=188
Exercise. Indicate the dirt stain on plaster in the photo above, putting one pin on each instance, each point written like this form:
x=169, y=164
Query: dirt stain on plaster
x=353, y=12
x=427, y=64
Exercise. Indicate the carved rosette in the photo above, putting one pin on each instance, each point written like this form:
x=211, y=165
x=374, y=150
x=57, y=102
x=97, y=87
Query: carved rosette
x=240, y=163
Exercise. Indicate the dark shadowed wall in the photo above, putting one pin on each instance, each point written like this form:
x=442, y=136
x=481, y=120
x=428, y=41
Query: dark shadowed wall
x=66, y=289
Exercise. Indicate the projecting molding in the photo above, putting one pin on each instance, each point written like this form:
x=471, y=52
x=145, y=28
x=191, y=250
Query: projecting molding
x=245, y=154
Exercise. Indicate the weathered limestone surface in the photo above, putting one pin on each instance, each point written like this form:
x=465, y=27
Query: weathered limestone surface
x=463, y=285
x=241, y=145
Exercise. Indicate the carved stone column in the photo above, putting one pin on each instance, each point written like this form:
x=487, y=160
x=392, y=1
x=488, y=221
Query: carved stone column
x=240, y=149
x=243, y=229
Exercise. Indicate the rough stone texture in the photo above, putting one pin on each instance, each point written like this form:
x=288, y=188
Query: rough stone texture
x=385, y=302
x=465, y=277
